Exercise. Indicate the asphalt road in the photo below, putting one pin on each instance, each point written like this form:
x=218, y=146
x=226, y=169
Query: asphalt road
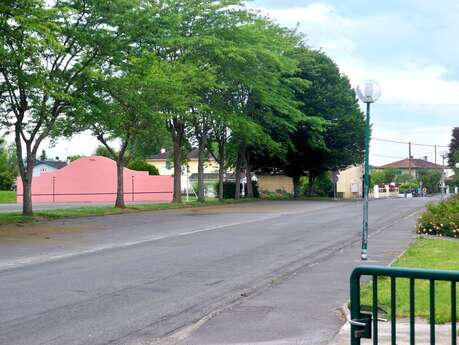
x=137, y=278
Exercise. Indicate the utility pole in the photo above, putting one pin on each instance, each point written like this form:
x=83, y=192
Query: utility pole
x=409, y=158
x=435, y=154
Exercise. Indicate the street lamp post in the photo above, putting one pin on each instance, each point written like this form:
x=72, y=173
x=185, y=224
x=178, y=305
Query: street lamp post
x=443, y=155
x=368, y=92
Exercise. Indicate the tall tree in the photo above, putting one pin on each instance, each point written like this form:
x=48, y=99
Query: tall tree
x=257, y=74
x=453, y=147
x=179, y=39
x=44, y=49
x=330, y=97
x=122, y=103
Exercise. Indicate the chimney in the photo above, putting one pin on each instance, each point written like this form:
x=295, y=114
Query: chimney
x=425, y=158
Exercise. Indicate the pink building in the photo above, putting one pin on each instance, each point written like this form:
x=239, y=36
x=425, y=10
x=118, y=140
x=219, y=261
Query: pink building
x=93, y=179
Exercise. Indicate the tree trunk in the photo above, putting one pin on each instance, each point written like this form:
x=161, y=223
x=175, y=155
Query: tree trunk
x=119, y=203
x=177, y=129
x=221, y=169
x=311, y=184
x=296, y=186
x=27, y=193
x=177, y=172
x=248, y=176
x=237, y=191
x=26, y=172
x=201, y=150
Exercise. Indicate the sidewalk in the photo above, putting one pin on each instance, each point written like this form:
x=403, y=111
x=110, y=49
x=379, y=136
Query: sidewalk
x=304, y=307
x=442, y=334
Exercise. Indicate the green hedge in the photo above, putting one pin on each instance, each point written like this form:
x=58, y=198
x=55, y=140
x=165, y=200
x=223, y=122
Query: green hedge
x=440, y=219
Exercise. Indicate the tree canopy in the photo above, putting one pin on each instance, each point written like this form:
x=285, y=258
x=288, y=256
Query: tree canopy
x=144, y=75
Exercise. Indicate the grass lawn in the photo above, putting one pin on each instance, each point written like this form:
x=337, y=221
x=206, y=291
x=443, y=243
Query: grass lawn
x=86, y=211
x=7, y=196
x=424, y=253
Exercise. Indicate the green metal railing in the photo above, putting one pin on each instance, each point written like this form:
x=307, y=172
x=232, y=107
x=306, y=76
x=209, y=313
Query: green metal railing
x=366, y=325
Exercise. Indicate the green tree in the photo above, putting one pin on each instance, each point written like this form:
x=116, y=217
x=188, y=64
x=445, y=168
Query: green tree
x=114, y=108
x=334, y=143
x=202, y=34
x=391, y=174
x=385, y=176
x=8, y=166
x=44, y=50
x=377, y=178
x=265, y=87
x=101, y=150
x=323, y=185
x=143, y=166
x=430, y=179
x=453, y=147
x=43, y=155
x=405, y=178
x=73, y=158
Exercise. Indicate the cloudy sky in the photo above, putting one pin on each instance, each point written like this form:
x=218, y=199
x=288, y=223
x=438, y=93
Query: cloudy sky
x=409, y=46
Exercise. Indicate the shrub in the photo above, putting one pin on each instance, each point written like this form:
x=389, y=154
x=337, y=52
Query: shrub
x=143, y=166
x=323, y=185
x=440, y=219
x=278, y=194
x=408, y=187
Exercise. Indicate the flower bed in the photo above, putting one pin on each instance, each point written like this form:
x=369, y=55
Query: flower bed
x=440, y=219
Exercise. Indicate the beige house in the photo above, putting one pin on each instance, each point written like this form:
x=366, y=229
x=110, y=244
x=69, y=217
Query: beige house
x=349, y=183
x=163, y=162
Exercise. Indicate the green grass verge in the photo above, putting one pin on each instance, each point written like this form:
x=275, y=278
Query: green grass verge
x=87, y=211
x=424, y=253
x=7, y=197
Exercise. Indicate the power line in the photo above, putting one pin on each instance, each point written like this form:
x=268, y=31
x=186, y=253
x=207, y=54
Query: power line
x=407, y=143
x=385, y=156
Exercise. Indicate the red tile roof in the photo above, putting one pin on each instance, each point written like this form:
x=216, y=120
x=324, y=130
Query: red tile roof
x=415, y=164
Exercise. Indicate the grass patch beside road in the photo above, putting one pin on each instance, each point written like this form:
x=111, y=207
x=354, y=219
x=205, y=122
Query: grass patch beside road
x=424, y=253
x=87, y=211
x=7, y=197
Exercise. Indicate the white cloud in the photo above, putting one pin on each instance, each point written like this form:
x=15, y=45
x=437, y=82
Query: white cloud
x=407, y=80
x=392, y=48
x=314, y=13
x=409, y=84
